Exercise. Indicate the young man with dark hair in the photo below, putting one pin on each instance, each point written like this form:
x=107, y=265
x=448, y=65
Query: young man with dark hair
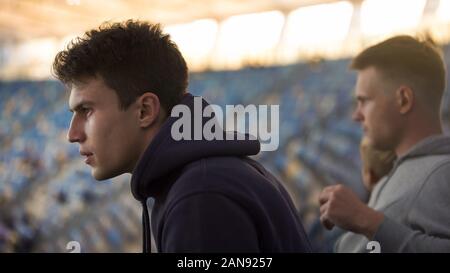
x=398, y=91
x=125, y=78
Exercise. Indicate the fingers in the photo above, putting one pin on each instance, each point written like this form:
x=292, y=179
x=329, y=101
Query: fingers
x=325, y=194
x=324, y=208
x=328, y=198
x=326, y=222
x=324, y=204
x=324, y=200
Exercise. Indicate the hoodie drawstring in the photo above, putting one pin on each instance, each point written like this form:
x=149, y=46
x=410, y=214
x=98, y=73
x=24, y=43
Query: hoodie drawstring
x=146, y=230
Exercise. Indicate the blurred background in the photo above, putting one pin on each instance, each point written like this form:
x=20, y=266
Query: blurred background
x=294, y=53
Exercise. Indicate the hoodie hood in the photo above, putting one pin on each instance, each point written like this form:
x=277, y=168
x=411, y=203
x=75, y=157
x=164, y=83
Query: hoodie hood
x=165, y=155
x=433, y=145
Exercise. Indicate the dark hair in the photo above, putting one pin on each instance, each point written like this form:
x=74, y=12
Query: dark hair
x=419, y=63
x=132, y=57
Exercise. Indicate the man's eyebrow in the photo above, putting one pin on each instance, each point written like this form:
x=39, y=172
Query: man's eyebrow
x=80, y=105
x=359, y=97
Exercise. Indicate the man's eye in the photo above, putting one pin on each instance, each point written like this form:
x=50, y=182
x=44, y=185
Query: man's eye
x=357, y=102
x=84, y=110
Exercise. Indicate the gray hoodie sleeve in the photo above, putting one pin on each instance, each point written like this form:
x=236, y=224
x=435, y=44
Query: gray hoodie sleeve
x=427, y=226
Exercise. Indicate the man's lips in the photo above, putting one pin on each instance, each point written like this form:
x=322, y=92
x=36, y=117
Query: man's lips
x=88, y=157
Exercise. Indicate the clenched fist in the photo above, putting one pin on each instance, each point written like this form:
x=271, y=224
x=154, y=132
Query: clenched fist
x=340, y=206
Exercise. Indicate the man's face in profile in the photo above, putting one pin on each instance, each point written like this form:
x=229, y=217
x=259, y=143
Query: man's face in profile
x=105, y=132
x=376, y=109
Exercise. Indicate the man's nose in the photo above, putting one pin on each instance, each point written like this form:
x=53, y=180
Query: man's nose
x=357, y=115
x=75, y=133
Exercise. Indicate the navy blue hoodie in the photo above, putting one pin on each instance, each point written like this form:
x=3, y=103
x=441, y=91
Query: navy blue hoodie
x=210, y=197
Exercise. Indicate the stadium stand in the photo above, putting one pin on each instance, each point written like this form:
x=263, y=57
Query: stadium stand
x=49, y=198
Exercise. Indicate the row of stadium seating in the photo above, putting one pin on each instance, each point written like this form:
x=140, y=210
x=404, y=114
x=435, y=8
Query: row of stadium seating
x=48, y=197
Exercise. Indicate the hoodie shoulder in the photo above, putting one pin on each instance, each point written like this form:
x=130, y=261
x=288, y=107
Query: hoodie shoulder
x=207, y=173
x=230, y=176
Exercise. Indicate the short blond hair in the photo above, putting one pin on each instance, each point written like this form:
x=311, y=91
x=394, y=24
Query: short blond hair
x=418, y=63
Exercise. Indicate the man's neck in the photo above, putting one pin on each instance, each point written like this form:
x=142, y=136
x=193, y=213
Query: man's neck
x=147, y=139
x=416, y=135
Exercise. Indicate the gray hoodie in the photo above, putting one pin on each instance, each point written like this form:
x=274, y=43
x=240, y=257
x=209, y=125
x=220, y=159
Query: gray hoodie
x=415, y=200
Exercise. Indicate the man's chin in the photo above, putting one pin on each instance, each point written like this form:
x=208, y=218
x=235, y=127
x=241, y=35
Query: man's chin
x=381, y=146
x=99, y=175
x=368, y=139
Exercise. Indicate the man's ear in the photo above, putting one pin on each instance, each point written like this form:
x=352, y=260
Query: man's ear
x=404, y=97
x=149, y=109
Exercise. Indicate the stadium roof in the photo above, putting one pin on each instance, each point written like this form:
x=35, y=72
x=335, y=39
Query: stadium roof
x=218, y=34
x=28, y=19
